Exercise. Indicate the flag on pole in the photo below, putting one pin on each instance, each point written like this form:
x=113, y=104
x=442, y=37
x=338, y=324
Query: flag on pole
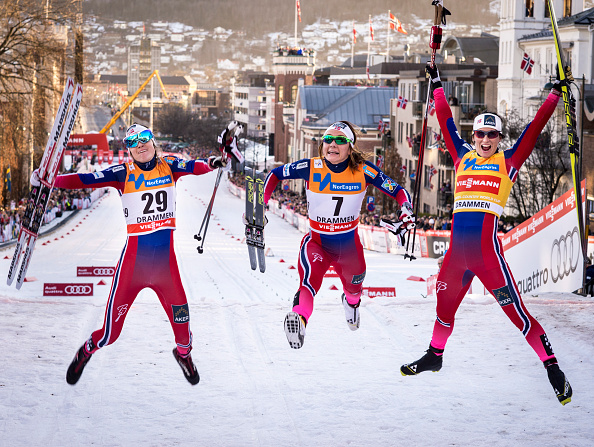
x=401, y=102
x=380, y=161
x=354, y=33
x=370, y=29
x=431, y=106
x=367, y=70
x=299, y=11
x=403, y=169
x=396, y=25
x=7, y=180
x=527, y=63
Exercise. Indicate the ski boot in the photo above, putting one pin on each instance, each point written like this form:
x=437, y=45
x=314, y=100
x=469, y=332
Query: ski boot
x=431, y=361
x=82, y=357
x=351, y=313
x=187, y=365
x=558, y=381
x=295, y=329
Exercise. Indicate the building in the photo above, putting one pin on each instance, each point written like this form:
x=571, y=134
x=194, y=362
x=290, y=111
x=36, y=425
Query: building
x=143, y=59
x=471, y=90
x=289, y=65
x=250, y=96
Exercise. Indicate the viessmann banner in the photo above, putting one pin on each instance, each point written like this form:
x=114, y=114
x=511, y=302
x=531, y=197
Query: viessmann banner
x=544, y=251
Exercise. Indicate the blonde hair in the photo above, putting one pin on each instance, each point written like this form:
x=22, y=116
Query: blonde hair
x=356, y=155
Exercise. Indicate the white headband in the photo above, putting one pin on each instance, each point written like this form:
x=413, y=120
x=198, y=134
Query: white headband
x=342, y=127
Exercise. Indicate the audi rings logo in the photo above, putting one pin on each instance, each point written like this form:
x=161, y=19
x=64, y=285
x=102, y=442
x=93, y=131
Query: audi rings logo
x=78, y=290
x=103, y=271
x=565, y=254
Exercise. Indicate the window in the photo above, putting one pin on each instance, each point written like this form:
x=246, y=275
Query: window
x=529, y=8
x=566, y=8
x=547, y=11
x=293, y=93
x=281, y=93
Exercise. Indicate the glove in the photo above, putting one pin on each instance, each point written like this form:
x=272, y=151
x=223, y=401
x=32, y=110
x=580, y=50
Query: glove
x=407, y=216
x=433, y=73
x=397, y=228
x=35, y=180
x=558, y=85
x=216, y=162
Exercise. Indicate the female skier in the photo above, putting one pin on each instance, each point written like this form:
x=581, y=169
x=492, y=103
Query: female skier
x=336, y=184
x=484, y=178
x=147, y=190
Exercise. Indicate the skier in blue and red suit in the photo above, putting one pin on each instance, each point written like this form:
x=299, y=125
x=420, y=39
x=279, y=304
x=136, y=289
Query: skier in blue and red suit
x=147, y=189
x=484, y=178
x=336, y=184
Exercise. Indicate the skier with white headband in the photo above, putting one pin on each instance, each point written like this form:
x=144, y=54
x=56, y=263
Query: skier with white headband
x=336, y=183
x=146, y=186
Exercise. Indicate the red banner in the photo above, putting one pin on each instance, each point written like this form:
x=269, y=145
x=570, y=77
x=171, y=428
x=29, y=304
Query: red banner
x=372, y=292
x=95, y=271
x=67, y=289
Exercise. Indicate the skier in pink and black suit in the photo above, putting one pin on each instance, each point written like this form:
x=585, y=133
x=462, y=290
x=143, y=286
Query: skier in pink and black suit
x=147, y=190
x=484, y=178
x=336, y=185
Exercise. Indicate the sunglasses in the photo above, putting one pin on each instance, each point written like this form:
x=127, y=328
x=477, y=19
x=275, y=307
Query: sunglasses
x=142, y=137
x=492, y=134
x=338, y=139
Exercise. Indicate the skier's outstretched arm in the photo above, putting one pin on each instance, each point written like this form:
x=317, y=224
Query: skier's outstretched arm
x=114, y=176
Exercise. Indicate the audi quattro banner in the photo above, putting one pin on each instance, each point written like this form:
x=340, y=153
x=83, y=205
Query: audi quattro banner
x=544, y=252
x=95, y=271
x=66, y=289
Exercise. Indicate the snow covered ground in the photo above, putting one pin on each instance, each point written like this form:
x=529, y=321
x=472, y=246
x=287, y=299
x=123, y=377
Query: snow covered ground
x=342, y=388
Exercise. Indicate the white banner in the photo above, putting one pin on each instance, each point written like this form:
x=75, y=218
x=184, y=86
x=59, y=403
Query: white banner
x=544, y=252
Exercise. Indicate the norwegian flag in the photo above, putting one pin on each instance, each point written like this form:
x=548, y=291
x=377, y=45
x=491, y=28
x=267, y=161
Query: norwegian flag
x=409, y=141
x=401, y=102
x=431, y=107
x=436, y=136
x=403, y=169
x=396, y=25
x=380, y=161
x=380, y=125
x=354, y=33
x=527, y=63
x=432, y=172
x=370, y=29
x=299, y=11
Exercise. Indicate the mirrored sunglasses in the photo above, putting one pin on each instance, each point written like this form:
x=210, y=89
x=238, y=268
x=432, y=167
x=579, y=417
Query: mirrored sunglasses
x=338, y=139
x=142, y=137
x=492, y=134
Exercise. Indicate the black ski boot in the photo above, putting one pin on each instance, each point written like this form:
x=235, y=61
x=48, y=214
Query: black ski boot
x=187, y=365
x=81, y=359
x=558, y=381
x=431, y=361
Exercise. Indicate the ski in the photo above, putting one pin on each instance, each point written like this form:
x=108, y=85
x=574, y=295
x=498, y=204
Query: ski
x=259, y=221
x=570, y=122
x=254, y=216
x=39, y=195
x=249, y=218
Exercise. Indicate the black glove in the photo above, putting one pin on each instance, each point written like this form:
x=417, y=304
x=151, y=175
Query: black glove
x=433, y=73
x=216, y=162
x=558, y=85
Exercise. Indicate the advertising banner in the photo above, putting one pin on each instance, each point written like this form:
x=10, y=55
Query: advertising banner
x=95, y=271
x=67, y=289
x=544, y=252
x=372, y=292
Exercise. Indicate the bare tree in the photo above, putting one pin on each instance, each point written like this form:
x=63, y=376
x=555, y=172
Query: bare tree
x=540, y=180
x=33, y=56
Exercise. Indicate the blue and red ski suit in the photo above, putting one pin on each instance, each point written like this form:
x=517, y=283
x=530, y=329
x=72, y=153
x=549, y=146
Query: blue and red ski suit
x=481, y=191
x=334, y=197
x=147, y=191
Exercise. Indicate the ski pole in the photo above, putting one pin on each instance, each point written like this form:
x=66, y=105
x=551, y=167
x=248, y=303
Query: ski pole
x=434, y=44
x=206, y=219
